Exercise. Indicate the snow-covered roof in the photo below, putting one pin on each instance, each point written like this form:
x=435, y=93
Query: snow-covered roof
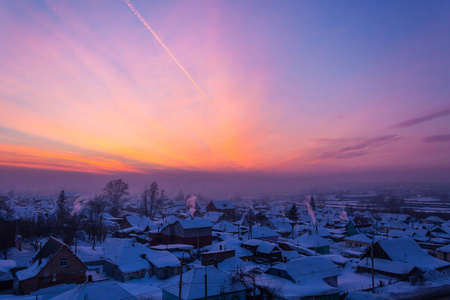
x=5, y=267
x=194, y=282
x=408, y=251
x=225, y=226
x=289, y=255
x=141, y=222
x=394, y=267
x=96, y=290
x=361, y=237
x=435, y=219
x=223, y=204
x=289, y=290
x=132, y=257
x=312, y=240
x=195, y=223
x=444, y=249
x=231, y=244
x=308, y=268
x=263, y=232
x=213, y=216
x=267, y=248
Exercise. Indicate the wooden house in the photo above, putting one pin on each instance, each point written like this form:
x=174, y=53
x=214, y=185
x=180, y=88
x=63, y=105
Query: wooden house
x=195, y=232
x=130, y=260
x=53, y=264
x=224, y=206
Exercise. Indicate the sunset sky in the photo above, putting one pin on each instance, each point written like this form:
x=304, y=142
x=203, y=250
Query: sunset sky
x=294, y=89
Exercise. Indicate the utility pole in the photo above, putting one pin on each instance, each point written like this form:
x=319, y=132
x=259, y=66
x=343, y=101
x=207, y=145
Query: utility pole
x=373, y=270
x=206, y=284
x=181, y=277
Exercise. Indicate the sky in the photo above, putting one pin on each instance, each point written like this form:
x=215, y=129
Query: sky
x=231, y=93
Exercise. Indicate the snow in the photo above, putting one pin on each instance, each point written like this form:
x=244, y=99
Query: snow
x=361, y=237
x=100, y=290
x=194, y=282
x=308, y=268
x=33, y=270
x=267, y=248
x=394, y=267
x=130, y=257
x=195, y=223
x=231, y=244
x=408, y=251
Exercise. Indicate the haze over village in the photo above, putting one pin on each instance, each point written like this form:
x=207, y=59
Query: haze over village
x=226, y=150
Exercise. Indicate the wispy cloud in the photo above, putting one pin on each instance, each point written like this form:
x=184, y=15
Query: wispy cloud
x=437, y=138
x=422, y=119
x=360, y=148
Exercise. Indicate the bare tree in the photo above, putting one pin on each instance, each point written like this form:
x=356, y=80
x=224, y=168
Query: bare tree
x=114, y=191
x=62, y=211
x=144, y=197
x=153, y=198
x=95, y=208
x=245, y=276
x=250, y=219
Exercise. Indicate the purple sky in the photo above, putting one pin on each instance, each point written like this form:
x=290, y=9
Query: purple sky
x=233, y=96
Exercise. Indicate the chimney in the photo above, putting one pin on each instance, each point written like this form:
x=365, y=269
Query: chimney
x=89, y=279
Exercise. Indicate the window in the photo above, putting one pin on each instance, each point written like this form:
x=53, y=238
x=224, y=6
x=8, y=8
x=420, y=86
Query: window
x=63, y=262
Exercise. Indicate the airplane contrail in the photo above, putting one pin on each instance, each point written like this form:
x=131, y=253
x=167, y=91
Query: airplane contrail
x=141, y=18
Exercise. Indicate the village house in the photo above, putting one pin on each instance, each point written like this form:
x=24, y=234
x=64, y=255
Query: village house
x=394, y=269
x=215, y=257
x=51, y=265
x=358, y=240
x=130, y=260
x=359, y=225
x=224, y=206
x=314, y=242
x=303, y=278
x=263, y=251
x=218, y=284
x=232, y=244
x=408, y=251
x=195, y=232
x=443, y=253
x=139, y=223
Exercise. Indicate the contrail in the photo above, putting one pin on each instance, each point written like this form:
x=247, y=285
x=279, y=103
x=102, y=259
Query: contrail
x=134, y=10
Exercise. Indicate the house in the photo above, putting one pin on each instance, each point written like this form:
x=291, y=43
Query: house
x=98, y=290
x=303, y=278
x=51, y=265
x=358, y=225
x=139, y=223
x=215, y=216
x=215, y=257
x=358, y=240
x=304, y=269
x=394, y=269
x=6, y=278
x=195, y=232
x=314, y=242
x=262, y=250
x=443, y=253
x=435, y=220
x=408, y=251
x=232, y=244
x=225, y=226
x=130, y=260
x=280, y=225
x=196, y=281
x=224, y=206
x=262, y=233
